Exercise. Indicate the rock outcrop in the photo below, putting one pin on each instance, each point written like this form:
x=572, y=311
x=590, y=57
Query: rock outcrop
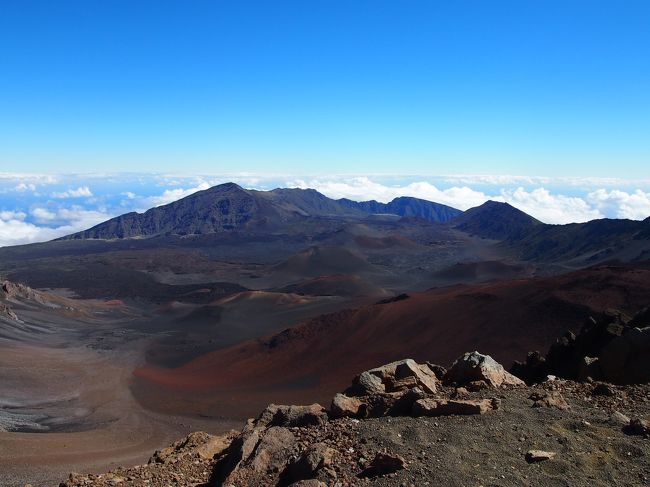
x=475, y=366
x=614, y=348
x=394, y=377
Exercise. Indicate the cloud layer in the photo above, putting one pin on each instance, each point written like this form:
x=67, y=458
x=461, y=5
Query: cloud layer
x=543, y=204
x=37, y=207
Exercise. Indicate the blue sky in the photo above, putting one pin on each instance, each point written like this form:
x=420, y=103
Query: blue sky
x=534, y=88
x=115, y=106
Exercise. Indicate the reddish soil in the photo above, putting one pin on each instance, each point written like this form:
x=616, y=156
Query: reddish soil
x=313, y=360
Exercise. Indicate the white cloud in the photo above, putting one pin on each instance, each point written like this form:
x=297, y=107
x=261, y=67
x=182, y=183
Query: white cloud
x=130, y=195
x=63, y=221
x=550, y=208
x=12, y=215
x=80, y=192
x=43, y=215
x=513, y=179
x=25, y=187
x=363, y=189
x=171, y=195
x=620, y=204
x=543, y=204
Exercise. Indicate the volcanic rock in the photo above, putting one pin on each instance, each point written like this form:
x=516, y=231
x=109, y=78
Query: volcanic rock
x=619, y=418
x=475, y=366
x=589, y=368
x=539, y=455
x=273, y=450
x=438, y=370
x=638, y=426
x=384, y=463
x=202, y=444
x=344, y=406
x=309, y=483
x=626, y=359
x=315, y=457
x=292, y=416
x=548, y=399
x=612, y=348
x=393, y=377
x=447, y=407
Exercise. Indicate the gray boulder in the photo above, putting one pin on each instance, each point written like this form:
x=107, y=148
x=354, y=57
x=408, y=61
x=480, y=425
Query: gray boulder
x=474, y=366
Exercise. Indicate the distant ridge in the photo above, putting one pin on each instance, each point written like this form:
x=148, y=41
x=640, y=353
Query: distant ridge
x=498, y=221
x=229, y=207
x=406, y=206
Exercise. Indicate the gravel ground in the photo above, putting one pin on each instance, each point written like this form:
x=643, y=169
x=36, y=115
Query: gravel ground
x=590, y=446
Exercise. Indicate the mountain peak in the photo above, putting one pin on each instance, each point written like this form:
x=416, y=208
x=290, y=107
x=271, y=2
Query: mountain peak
x=497, y=220
x=228, y=206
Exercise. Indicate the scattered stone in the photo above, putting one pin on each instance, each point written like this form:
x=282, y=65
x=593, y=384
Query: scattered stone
x=619, y=418
x=344, y=406
x=309, y=483
x=460, y=393
x=273, y=450
x=365, y=384
x=475, y=366
x=533, y=456
x=393, y=377
x=638, y=426
x=202, y=444
x=292, y=416
x=383, y=464
x=446, y=407
x=403, y=405
x=603, y=389
x=438, y=370
x=477, y=385
x=548, y=399
x=314, y=458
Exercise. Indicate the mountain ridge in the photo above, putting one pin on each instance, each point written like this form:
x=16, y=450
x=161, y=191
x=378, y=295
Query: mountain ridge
x=229, y=207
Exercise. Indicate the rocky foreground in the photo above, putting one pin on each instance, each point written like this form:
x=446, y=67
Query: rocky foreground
x=415, y=424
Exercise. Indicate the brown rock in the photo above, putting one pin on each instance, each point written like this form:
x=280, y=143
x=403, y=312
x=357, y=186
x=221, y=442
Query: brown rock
x=477, y=385
x=460, y=393
x=403, y=406
x=309, y=483
x=343, y=406
x=394, y=377
x=438, y=370
x=200, y=443
x=215, y=445
x=317, y=456
x=544, y=399
x=272, y=451
x=292, y=416
x=619, y=418
x=446, y=407
x=365, y=384
x=539, y=455
x=384, y=463
x=476, y=366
